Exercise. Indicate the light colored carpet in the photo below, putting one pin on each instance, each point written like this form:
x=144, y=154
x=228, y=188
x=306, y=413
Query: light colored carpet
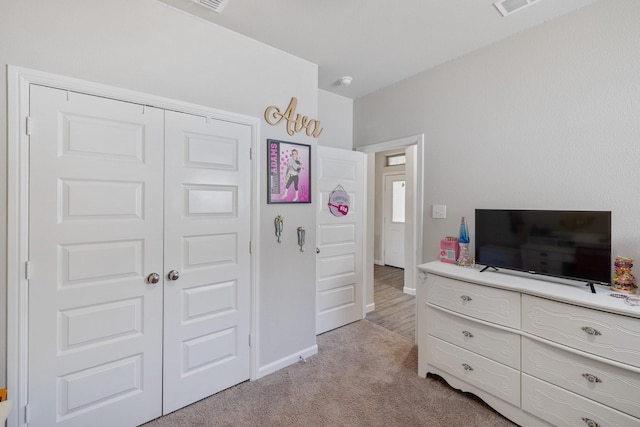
x=363, y=375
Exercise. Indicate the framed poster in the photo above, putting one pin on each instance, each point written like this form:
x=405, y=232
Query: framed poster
x=289, y=172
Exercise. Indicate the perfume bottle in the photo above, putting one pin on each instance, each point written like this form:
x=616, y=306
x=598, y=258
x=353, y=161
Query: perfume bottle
x=463, y=240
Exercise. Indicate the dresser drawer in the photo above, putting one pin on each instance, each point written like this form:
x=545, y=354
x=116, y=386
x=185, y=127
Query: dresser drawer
x=564, y=408
x=611, y=385
x=499, y=345
x=482, y=302
x=608, y=335
x=493, y=377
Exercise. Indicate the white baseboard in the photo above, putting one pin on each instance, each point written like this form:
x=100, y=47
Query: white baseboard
x=378, y=262
x=286, y=361
x=410, y=291
x=369, y=308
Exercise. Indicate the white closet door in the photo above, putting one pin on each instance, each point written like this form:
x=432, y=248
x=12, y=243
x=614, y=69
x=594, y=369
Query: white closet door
x=95, y=233
x=207, y=232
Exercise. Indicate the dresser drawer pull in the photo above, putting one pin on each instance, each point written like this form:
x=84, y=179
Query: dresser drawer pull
x=467, y=334
x=465, y=298
x=592, y=378
x=590, y=331
x=590, y=422
x=467, y=367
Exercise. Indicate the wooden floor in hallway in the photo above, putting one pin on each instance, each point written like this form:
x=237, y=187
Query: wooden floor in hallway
x=394, y=310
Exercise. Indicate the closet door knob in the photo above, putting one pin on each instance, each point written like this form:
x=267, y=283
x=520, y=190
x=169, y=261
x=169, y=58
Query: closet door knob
x=173, y=275
x=153, y=278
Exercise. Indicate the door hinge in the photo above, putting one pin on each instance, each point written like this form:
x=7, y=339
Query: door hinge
x=250, y=340
x=27, y=413
x=250, y=153
x=30, y=125
x=27, y=270
x=250, y=247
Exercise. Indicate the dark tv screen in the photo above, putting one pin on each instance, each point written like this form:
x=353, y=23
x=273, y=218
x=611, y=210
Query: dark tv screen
x=568, y=244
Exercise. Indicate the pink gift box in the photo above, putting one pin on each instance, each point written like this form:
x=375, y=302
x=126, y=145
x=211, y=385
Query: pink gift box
x=449, y=249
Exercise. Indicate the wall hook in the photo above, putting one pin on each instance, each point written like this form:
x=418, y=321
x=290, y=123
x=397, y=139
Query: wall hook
x=301, y=233
x=279, y=224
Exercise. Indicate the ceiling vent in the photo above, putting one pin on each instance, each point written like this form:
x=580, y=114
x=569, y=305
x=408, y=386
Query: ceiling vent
x=507, y=7
x=215, y=5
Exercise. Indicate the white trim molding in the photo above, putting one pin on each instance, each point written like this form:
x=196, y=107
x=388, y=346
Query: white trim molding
x=392, y=144
x=287, y=361
x=418, y=141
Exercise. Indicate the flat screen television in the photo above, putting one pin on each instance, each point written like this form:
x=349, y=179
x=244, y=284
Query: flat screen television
x=567, y=244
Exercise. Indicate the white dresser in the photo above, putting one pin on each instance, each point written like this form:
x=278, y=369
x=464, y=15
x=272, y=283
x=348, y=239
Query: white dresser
x=539, y=352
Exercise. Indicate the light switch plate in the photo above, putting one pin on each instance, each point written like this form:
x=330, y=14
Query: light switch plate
x=439, y=211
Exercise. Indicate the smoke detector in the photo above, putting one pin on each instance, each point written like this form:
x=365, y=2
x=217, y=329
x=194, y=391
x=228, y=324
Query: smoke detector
x=507, y=7
x=215, y=5
x=345, y=80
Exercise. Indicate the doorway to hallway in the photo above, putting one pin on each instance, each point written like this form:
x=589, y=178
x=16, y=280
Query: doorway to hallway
x=394, y=309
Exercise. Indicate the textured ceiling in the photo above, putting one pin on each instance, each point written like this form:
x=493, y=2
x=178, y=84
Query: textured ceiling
x=377, y=42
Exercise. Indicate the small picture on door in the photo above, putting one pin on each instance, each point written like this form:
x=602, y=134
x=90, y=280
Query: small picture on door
x=289, y=166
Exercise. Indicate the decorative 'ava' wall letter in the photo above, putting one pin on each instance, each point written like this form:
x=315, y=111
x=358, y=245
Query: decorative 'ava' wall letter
x=295, y=122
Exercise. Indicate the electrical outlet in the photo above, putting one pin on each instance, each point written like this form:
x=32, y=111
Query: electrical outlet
x=439, y=211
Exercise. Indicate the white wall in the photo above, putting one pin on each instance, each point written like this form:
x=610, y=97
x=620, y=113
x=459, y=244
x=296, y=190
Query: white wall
x=336, y=114
x=547, y=119
x=146, y=46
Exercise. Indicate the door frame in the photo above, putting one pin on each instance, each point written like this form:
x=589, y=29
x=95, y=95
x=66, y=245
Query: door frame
x=413, y=256
x=18, y=81
x=385, y=206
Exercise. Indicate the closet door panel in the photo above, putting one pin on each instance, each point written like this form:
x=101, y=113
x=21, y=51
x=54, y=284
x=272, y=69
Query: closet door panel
x=207, y=233
x=95, y=233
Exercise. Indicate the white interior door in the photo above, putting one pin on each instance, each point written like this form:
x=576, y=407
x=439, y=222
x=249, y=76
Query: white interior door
x=116, y=195
x=95, y=233
x=394, y=220
x=207, y=309
x=340, y=240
